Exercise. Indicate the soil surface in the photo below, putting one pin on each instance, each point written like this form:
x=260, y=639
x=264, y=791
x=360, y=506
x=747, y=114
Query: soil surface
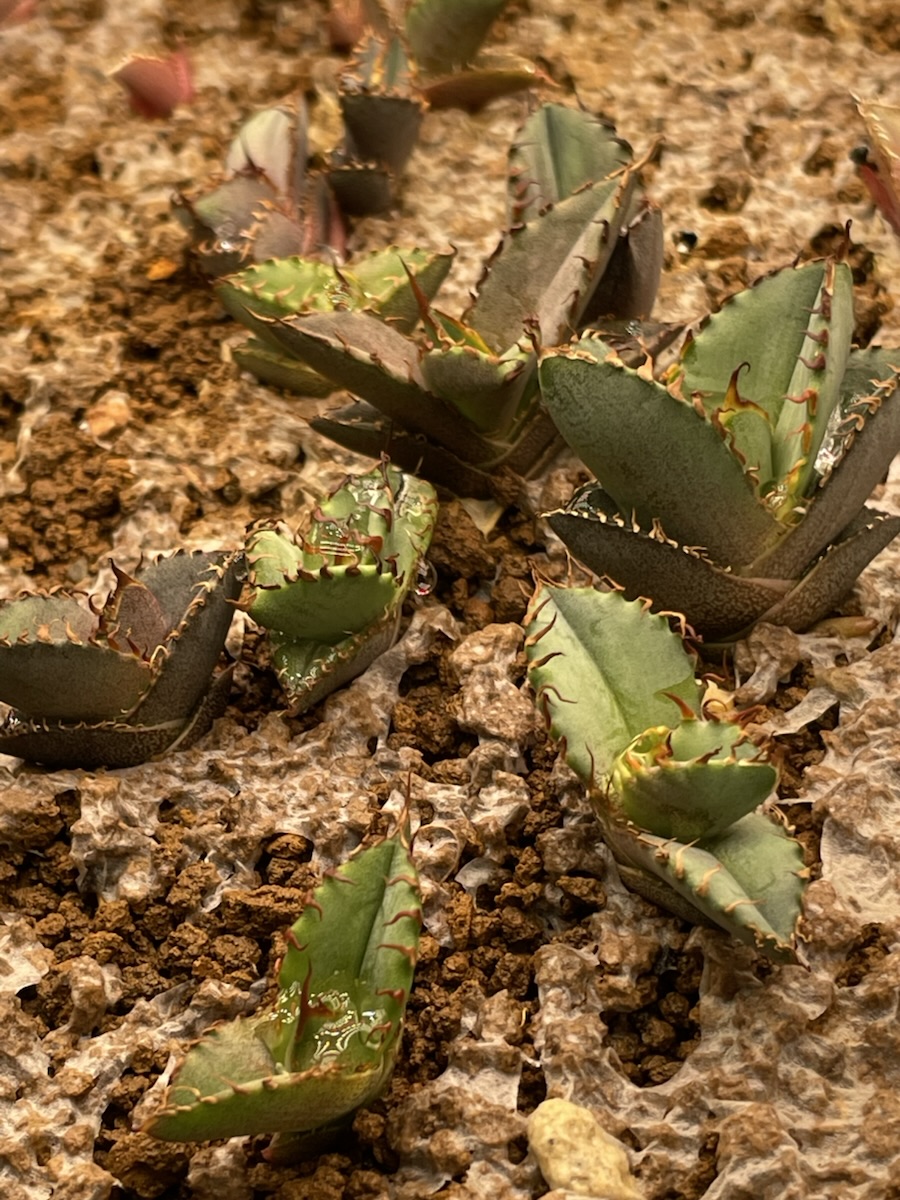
x=139, y=906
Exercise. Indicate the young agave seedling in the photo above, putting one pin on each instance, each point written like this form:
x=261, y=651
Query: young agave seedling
x=676, y=793
x=733, y=489
x=269, y=204
x=459, y=404
x=330, y=1043
x=331, y=598
x=117, y=685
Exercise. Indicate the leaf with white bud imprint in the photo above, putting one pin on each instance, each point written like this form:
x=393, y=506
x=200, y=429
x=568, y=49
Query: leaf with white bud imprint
x=331, y=1042
x=678, y=795
x=733, y=488
x=331, y=598
x=117, y=685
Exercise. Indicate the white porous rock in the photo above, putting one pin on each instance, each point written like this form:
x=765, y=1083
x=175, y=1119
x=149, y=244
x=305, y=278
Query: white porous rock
x=576, y=1154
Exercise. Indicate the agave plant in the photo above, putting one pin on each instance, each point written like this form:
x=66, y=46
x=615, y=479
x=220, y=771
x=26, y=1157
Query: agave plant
x=331, y=598
x=441, y=41
x=329, y=1044
x=458, y=403
x=677, y=792
x=116, y=685
x=733, y=488
x=381, y=283
x=881, y=171
x=268, y=204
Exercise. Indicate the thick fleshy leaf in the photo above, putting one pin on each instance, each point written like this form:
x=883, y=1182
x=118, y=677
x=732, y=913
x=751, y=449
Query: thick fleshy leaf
x=330, y=1044
x=595, y=697
x=486, y=389
x=792, y=329
x=308, y=671
x=273, y=143
x=544, y=272
x=825, y=585
x=111, y=744
x=332, y=596
x=197, y=592
x=627, y=289
x=379, y=364
x=654, y=453
x=854, y=457
x=280, y=371
x=748, y=880
x=558, y=151
x=647, y=563
x=489, y=78
x=51, y=666
x=360, y=428
x=443, y=34
x=691, y=782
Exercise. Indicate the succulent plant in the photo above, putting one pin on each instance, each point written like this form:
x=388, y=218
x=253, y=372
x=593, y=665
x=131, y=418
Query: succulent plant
x=733, y=488
x=441, y=40
x=881, y=171
x=116, y=685
x=458, y=404
x=381, y=283
x=677, y=791
x=268, y=204
x=330, y=1043
x=331, y=598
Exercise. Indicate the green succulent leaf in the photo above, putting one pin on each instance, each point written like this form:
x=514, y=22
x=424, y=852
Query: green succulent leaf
x=793, y=330
x=646, y=444
x=691, y=782
x=559, y=151
x=545, y=271
x=574, y=640
x=330, y=1044
x=444, y=34
x=749, y=880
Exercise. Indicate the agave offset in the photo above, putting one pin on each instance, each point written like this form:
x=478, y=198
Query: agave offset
x=732, y=489
x=458, y=402
x=331, y=597
x=116, y=685
x=678, y=792
x=330, y=1043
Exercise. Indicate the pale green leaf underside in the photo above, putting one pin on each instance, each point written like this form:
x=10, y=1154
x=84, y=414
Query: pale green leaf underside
x=597, y=697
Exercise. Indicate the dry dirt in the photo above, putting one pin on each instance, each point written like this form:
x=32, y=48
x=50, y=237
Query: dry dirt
x=138, y=906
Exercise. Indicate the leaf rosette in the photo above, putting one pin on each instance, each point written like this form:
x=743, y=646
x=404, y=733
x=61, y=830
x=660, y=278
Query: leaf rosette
x=116, y=685
x=681, y=798
x=733, y=488
x=331, y=597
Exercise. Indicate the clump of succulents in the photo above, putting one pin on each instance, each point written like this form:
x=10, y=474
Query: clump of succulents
x=458, y=401
x=118, y=684
x=329, y=1044
x=678, y=790
x=732, y=488
x=331, y=597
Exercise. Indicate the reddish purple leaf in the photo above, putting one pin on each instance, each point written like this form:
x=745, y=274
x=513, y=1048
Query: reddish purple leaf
x=156, y=86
